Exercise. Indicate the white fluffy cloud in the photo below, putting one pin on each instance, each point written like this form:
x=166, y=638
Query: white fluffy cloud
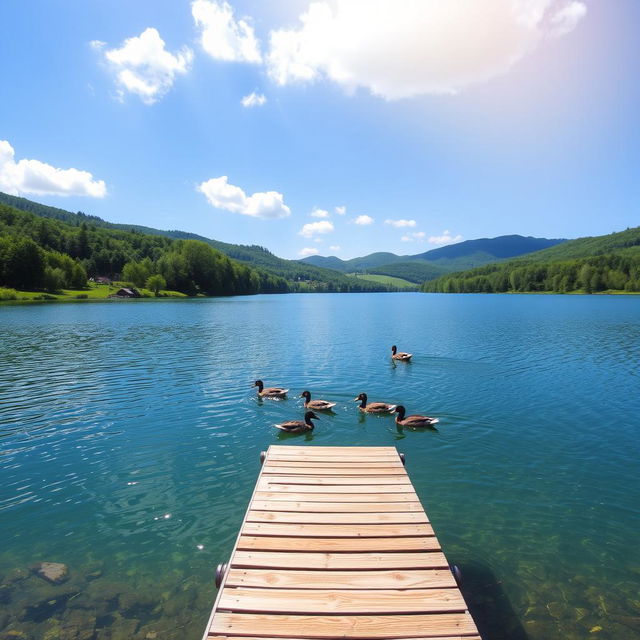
x=39, y=178
x=308, y=251
x=319, y=213
x=312, y=228
x=253, y=100
x=363, y=220
x=402, y=49
x=445, y=238
x=341, y=210
x=222, y=36
x=566, y=19
x=400, y=223
x=144, y=67
x=334, y=247
x=222, y=195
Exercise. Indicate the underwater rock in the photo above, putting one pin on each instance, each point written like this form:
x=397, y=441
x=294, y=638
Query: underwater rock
x=136, y=604
x=632, y=622
x=540, y=629
x=53, y=572
x=78, y=625
x=5, y=595
x=558, y=610
x=15, y=634
x=43, y=601
x=100, y=596
x=17, y=575
x=93, y=572
x=123, y=629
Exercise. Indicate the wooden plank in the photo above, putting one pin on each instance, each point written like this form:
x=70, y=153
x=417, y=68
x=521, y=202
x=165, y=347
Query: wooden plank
x=336, y=488
x=353, y=601
x=335, y=480
x=225, y=637
x=361, y=451
x=335, y=507
x=371, y=579
x=329, y=460
x=337, y=463
x=336, y=530
x=330, y=627
x=338, y=561
x=275, y=543
x=335, y=545
x=395, y=517
x=347, y=471
x=335, y=497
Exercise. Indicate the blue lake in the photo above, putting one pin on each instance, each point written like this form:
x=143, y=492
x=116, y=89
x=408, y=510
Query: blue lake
x=130, y=437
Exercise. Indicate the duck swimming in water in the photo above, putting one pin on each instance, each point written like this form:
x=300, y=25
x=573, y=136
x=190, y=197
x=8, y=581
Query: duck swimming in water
x=373, y=407
x=269, y=392
x=414, y=421
x=316, y=405
x=298, y=426
x=400, y=355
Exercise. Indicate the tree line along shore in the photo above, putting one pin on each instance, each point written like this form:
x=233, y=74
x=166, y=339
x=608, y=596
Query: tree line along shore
x=44, y=258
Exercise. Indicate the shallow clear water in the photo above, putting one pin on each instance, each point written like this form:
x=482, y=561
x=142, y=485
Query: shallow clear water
x=130, y=437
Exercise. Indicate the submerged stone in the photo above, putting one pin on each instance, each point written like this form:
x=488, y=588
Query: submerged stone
x=78, y=625
x=53, y=572
x=632, y=622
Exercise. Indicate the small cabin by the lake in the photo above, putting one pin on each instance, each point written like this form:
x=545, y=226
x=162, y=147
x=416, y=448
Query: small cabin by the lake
x=126, y=292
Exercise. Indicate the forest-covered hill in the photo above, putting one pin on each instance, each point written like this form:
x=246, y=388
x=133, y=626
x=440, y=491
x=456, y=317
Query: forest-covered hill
x=600, y=263
x=299, y=276
x=436, y=262
x=39, y=253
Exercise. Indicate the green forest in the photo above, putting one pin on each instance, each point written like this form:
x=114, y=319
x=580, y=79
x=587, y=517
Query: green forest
x=590, y=275
x=276, y=274
x=44, y=254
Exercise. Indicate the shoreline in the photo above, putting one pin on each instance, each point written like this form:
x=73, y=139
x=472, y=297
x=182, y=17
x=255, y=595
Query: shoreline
x=39, y=297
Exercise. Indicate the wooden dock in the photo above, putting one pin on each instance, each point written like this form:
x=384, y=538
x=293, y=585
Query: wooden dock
x=335, y=544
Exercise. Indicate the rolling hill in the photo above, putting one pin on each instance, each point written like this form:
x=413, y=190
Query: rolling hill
x=434, y=263
x=591, y=264
x=302, y=276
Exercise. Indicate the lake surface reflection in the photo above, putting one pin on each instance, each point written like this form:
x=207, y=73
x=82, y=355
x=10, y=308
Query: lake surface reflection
x=130, y=437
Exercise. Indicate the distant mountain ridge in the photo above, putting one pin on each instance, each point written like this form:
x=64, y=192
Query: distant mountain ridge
x=584, y=265
x=416, y=268
x=436, y=262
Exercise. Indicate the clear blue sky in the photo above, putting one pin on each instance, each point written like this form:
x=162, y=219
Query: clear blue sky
x=495, y=117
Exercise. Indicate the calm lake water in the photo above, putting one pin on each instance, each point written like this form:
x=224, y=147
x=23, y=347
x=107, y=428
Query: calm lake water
x=130, y=438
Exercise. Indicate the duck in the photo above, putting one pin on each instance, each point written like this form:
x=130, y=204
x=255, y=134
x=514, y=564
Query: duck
x=269, y=392
x=298, y=426
x=414, y=421
x=373, y=407
x=400, y=355
x=317, y=405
